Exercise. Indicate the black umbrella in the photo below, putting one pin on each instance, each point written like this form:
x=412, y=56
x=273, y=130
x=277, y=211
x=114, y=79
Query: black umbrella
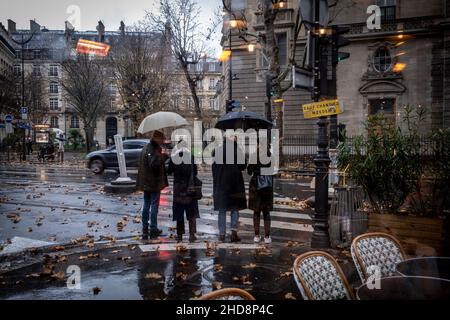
x=243, y=120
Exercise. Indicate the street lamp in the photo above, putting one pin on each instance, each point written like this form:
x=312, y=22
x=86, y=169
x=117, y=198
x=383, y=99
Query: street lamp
x=233, y=24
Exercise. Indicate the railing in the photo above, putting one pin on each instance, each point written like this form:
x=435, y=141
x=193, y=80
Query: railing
x=299, y=151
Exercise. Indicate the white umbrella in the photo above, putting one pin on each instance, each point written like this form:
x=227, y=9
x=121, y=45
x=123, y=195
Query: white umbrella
x=161, y=120
x=57, y=131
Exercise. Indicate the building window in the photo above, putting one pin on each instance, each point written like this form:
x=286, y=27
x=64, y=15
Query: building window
x=282, y=53
x=200, y=84
x=54, y=123
x=54, y=87
x=17, y=70
x=54, y=106
x=213, y=67
x=75, y=122
x=36, y=71
x=382, y=60
x=388, y=10
x=53, y=71
x=386, y=107
x=37, y=54
x=212, y=103
x=212, y=84
x=112, y=105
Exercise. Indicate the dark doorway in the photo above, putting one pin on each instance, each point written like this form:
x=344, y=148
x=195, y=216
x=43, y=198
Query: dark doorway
x=111, y=129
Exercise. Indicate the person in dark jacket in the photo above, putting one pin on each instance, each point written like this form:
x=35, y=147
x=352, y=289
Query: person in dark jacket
x=229, y=188
x=260, y=201
x=183, y=172
x=152, y=179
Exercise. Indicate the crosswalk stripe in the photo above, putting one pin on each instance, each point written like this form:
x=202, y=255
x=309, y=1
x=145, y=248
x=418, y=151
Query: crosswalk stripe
x=198, y=246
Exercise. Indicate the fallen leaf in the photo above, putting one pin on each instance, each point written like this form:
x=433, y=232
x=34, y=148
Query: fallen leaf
x=153, y=276
x=83, y=258
x=249, y=266
x=96, y=290
x=218, y=268
x=198, y=292
x=289, y=296
x=183, y=263
x=59, y=275
x=181, y=276
x=217, y=285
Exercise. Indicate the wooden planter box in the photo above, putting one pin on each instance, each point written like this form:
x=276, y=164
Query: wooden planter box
x=419, y=235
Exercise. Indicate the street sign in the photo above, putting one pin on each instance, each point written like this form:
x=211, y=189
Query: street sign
x=322, y=109
x=24, y=112
x=9, y=118
x=307, y=11
x=302, y=79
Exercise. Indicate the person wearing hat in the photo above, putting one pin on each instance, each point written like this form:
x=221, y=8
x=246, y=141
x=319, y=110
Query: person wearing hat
x=152, y=179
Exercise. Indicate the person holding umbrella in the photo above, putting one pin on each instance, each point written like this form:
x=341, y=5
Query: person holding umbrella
x=152, y=179
x=152, y=175
x=228, y=187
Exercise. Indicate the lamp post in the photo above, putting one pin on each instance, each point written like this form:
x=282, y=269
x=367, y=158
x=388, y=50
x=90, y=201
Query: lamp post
x=22, y=44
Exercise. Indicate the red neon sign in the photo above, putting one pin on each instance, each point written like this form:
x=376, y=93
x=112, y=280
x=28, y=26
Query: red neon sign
x=92, y=47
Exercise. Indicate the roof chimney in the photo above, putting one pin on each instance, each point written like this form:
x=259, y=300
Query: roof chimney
x=11, y=26
x=34, y=26
x=101, y=31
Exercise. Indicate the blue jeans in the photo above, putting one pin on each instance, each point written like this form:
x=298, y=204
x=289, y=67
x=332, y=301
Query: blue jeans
x=223, y=221
x=151, y=207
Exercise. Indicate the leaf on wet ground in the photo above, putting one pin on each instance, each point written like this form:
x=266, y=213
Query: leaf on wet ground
x=217, y=285
x=285, y=274
x=96, y=291
x=289, y=296
x=33, y=275
x=58, y=248
x=218, y=268
x=15, y=218
x=58, y=275
x=181, y=276
x=291, y=244
x=197, y=293
x=137, y=220
x=249, y=266
x=153, y=276
x=243, y=279
x=124, y=258
x=30, y=229
x=183, y=263
x=181, y=249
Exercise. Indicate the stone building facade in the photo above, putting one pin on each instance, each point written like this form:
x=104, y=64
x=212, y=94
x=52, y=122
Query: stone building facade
x=403, y=63
x=44, y=55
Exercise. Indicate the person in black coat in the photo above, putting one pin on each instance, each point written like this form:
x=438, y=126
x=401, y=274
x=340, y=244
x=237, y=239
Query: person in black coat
x=260, y=201
x=182, y=202
x=229, y=189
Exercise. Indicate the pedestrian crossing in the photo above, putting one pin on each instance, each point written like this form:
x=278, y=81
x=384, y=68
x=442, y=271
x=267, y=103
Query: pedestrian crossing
x=284, y=217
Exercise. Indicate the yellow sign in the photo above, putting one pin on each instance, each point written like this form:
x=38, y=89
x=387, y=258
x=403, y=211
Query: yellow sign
x=321, y=109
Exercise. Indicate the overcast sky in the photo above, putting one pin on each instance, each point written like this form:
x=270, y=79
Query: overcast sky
x=53, y=13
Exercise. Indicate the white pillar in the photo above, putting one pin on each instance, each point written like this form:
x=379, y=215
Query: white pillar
x=121, y=160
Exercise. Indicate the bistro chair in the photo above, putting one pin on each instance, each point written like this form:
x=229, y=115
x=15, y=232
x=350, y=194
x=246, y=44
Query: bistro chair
x=228, y=294
x=379, y=250
x=319, y=277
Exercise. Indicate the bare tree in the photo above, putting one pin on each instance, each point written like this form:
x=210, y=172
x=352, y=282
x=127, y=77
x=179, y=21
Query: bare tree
x=35, y=98
x=86, y=84
x=141, y=62
x=8, y=98
x=179, y=22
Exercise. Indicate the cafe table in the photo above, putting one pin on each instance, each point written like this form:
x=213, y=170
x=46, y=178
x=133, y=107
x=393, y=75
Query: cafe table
x=406, y=288
x=434, y=267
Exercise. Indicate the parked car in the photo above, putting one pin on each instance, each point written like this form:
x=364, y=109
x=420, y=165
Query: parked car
x=99, y=161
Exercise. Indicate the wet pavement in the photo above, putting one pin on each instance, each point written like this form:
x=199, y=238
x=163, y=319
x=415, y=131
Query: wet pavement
x=66, y=209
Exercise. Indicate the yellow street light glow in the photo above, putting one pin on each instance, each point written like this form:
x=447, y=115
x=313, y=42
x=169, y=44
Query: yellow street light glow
x=280, y=5
x=251, y=48
x=233, y=23
x=278, y=100
x=224, y=55
x=399, y=67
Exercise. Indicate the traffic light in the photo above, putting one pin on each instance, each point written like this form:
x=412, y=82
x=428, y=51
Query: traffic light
x=270, y=92
x=233, y=104
x=339, y=41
